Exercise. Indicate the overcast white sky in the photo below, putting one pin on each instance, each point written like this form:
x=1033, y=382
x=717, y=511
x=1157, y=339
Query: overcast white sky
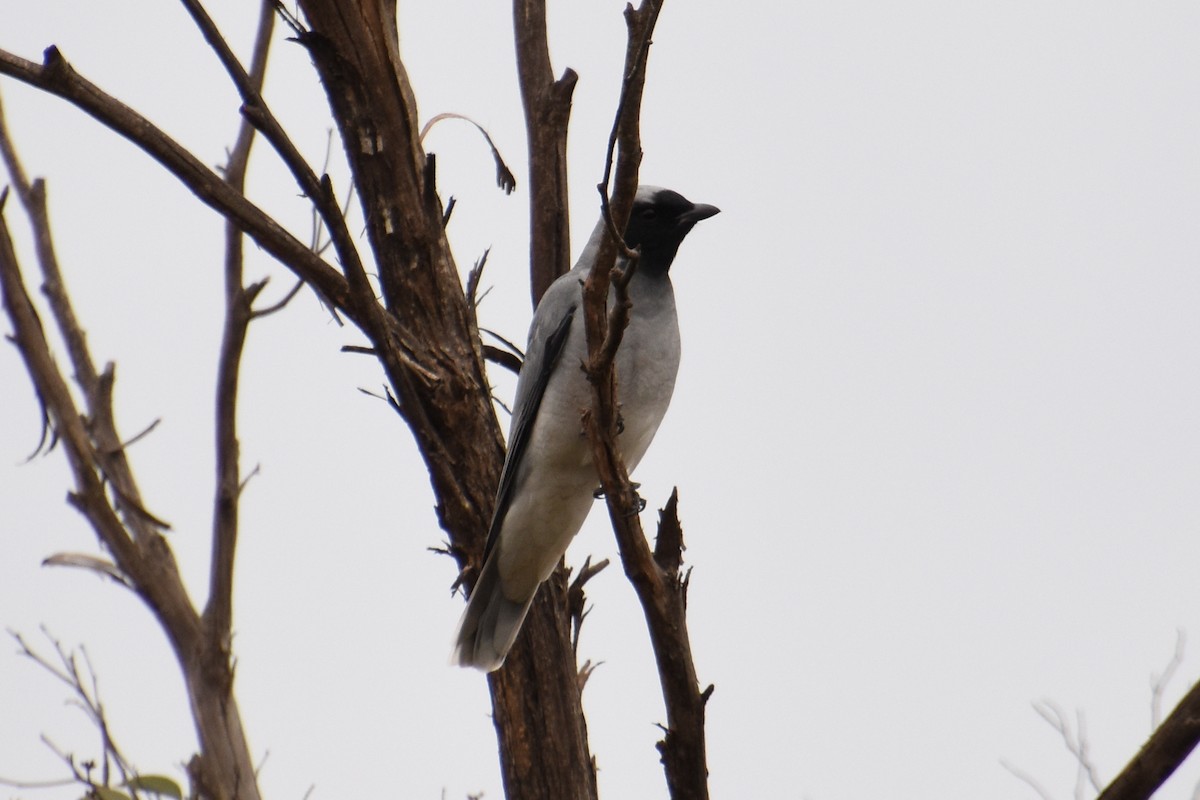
x=935, y=431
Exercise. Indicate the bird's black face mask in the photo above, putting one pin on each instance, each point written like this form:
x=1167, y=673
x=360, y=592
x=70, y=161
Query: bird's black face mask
x=659, y=225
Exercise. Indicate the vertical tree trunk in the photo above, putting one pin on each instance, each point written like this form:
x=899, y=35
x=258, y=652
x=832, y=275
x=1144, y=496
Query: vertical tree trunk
x=430, y=349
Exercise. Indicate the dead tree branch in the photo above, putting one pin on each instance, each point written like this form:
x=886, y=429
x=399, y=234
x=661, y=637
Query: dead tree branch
x=239, y=300
x=108, y=496
x=421, y=330
x=318, y=190
x=55, y=76
x=1166, y=749
x=139, y=550
x=439, y=383
x=1075, y=740
x=86, y=698
x=1027, y=779
x=547, y=105
x=1159, y=681
x=656, y=578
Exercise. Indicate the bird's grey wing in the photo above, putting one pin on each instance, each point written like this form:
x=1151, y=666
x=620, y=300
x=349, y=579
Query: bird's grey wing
x=526, y=409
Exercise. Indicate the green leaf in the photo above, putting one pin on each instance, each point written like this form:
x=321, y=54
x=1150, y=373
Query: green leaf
x=160, y=785
x=105, y=793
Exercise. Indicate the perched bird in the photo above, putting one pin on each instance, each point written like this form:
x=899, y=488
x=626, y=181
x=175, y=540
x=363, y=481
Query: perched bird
x=549, y=481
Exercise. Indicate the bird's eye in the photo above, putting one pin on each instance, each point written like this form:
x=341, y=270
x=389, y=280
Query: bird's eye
x=648, y=213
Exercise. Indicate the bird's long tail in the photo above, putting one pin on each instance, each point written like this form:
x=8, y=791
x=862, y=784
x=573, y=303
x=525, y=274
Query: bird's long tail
x=490, y=623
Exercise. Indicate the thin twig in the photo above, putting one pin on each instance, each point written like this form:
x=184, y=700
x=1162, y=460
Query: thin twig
x=86, y=697
x=661, y=590
x=1075, y=740
x=255, y=108
x=94, y=564
x=1159, y=682
x=1026, y=778
x=279, y=305
x=504, y=177
x=137, y=437
x=55, y=76
x=105, y=490
x=239, y=302
x=502, y=358
x=576, y=600
x=32, y=195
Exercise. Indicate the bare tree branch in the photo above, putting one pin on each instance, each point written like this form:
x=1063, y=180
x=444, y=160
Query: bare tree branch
x=239, y=300
x=1159, y=682
x=255, y=109
x=547, y=104
x=99, y=566
x=86, y=698
x=655, y=577
x=442, y=390
x=1076, y=742
x=109, y=498
x=423, y=332
x=504, y=177
x=577, y=601
x=1028, y=779
x=55, y=76
x=1166, y=749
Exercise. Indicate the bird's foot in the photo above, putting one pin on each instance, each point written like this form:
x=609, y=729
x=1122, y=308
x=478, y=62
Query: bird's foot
x=598, y=494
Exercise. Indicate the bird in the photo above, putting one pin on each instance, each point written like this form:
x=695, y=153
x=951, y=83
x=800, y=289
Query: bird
x=548, y=482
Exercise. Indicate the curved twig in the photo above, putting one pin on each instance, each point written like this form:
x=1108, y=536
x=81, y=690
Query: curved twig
x=504, y=177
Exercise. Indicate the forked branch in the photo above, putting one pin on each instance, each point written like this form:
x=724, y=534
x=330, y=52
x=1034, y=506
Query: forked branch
x=239, y=301
x=55, y=76
x=656, y=579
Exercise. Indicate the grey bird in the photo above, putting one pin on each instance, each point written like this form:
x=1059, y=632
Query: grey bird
x=549, y=481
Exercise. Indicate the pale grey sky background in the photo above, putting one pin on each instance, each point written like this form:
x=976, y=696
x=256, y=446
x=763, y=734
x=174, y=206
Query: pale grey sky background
x=935, y=431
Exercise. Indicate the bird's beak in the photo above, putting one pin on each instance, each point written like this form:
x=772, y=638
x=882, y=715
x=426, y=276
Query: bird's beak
x=698, y=212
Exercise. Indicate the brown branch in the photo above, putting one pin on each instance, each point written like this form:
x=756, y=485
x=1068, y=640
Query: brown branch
x=504, y=177
x=1166, y=749
x=239, y=300
x=30, y=339
x=605, y=328
x=107, y=495
x=473, y=278
x=577, y=600
x=255, y=109
x=655, y=577
x=33, y=198
x=55, y=76
x=441, y=389
x=502, y=358
x=87, y=699
x=99, y=566
x=547, y=105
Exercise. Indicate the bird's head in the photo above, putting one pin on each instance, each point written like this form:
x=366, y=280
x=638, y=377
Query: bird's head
x=658, y=223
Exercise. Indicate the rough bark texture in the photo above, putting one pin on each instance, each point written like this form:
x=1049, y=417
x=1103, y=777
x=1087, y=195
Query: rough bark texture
x=1166, y=749
x=107, y=495
x=425, y=337
x=430, y=349
x=655, y=577
x=547, y=105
